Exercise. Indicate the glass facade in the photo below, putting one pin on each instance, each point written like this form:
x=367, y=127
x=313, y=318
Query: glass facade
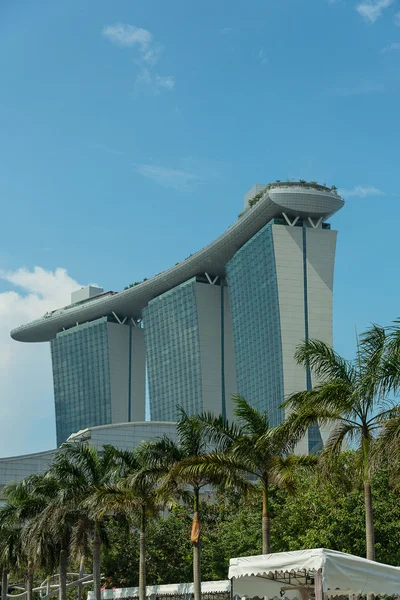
x=173, y=353
x=81, y=375
x=253, y=292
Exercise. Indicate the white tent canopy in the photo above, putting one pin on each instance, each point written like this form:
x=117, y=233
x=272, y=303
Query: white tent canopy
x=333, y=573
x=173, y=589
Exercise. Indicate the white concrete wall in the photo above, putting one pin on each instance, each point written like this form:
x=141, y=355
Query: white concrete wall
x=118, y=356
x=208, y=301
x=15, y=468
x=128, y=436
x=288, y=246
x=230, y=365
x=89, y=291
x=321, y=246
x=258, y=187
x=118, y=348
x=138, y=382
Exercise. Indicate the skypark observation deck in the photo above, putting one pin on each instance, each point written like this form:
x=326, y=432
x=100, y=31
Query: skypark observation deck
x=313, y=204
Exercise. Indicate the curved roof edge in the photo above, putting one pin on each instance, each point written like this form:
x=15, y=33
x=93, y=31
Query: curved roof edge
x=210, y=259
x=33, y=455
x=130, y=424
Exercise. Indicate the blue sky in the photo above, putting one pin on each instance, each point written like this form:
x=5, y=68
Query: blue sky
x=131, y=129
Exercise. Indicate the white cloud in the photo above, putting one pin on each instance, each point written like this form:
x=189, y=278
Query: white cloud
x=128, y=36
x=391, y=47
x=397, y=19
x=172, y=178
x=152, y=55
x=144, y=75
x=373, y=9
x=263, y=58
x=167, y=82
x=26, y=389
x=360, y=191
x=148, y=52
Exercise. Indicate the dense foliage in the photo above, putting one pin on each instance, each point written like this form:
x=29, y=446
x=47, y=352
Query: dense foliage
x=108, y=506
x=324, y=512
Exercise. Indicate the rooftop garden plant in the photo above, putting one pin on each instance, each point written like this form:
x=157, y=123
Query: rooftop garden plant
x=131, y=285
x=300, y=183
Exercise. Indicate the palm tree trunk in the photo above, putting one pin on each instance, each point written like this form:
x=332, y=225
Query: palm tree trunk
x=195, y=537
x=4, y=584
x=81, y=572
x=62, y=592
x=96, y=562
x=29, y=581
x=266, y=546
x=369, y=521
x=142, y=557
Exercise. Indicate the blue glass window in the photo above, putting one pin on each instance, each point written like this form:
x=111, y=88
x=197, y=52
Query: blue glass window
x=173, y=353
x=81, y=378
x=253, y=291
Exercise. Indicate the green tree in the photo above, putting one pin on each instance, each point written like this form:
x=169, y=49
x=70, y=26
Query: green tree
x=350, y=399
x=250, y=447
x=83, y=470
x=327, y=510
x=174, y=459
x=168, y=550
x=25, y=500
x=136, y=494
x=10, y=551
x=51, y=529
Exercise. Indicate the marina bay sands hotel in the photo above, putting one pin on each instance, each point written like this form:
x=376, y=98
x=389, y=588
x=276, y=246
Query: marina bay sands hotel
x=225, y=320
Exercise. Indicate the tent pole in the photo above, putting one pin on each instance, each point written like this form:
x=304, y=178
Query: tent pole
x=318, y=589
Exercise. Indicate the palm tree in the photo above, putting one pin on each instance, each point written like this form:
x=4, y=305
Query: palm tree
x=9, y=542
x=4, y=582
x=174, y=459
x=83, y=469
x=11, y=551
x=24, y=501
x=136, y=494
x=249, y=447
x=50, y=530
x=351, y=399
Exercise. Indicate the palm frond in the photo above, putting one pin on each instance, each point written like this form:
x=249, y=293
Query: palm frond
x=324, y=361
x=160, y=453
x=86, y=457
x=219, y=431
x=281, y=473
x=111, y=499
x=390, y=368
x=388, y=444
x=277, y=440
x=192, y=440
x=298, y=422
x=250, y=419
x=334, y=444
x=371, y=348
x=332, y=396
x=213, y=469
